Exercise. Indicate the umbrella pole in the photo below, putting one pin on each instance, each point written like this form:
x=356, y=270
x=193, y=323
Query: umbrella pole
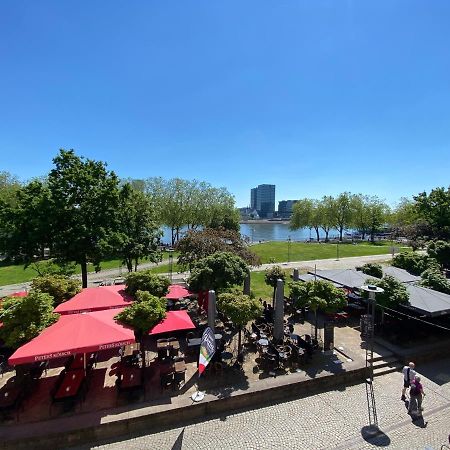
x=84, y=363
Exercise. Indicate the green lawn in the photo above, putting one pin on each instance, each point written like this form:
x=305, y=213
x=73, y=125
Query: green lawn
x=302, y=251
x=260, y=289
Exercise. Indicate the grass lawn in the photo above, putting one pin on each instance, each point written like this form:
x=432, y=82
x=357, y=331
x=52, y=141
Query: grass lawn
x=261, y=290
x=302, y=251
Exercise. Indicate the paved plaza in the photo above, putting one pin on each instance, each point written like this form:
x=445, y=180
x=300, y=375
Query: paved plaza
x=330, y=420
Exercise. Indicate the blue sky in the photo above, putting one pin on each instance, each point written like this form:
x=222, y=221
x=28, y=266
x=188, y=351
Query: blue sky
x=317, y=97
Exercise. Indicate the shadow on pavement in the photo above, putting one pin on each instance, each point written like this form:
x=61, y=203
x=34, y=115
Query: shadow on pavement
x=374, y=436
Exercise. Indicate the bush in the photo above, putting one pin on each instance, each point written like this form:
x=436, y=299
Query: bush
x=156, y=285
x=394, y=294
x=413, y=262
x=433, y=279
x=373, y=270
x=440, y=250
x=60, y=287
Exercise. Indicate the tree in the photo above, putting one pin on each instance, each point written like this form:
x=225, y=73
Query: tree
x=434, y=209
x=59, y=287
x=271, y=276
x=394, y=294
x=432, y=278
x=85, y=199
x=342, y=213
x=304, y=215
x=440, y=251
x=145, y=280
x=138, y=233
x=240, y=309
x=9, y=187
x=142, y=316
x=198, y=244
x=218, y=271
x=413, y=262
x=373, y=270
x=369, y=214
x=324, y=214
x=24, y=318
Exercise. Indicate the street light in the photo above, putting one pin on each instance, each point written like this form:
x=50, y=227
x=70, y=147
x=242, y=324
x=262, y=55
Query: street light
x=289, y=249
x=170, y=263
x=337, y=251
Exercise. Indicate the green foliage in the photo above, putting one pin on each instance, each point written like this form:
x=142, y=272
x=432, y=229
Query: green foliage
x=273, y=274
x=369, y=214
x=52, y=267
x=434, y=210
x=239, y=308
x=394, y=294
x=373, y=270
x=218, y=271
x=143, y=315
x=440, y=250
x=413, y=262
x=147, y=281
x=137, y=233
x=60, y=287
x=24, y=318
x=196, y=245
x=84, y=199
x=432, y=278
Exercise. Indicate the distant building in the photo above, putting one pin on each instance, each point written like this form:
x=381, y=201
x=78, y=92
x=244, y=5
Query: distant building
x=248, y=213
x=285, y=208
x=262, y=199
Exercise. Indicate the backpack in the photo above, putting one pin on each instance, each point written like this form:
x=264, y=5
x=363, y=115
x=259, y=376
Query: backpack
x=413, y=390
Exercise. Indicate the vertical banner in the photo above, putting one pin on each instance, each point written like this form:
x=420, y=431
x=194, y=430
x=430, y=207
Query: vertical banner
x=207, y=349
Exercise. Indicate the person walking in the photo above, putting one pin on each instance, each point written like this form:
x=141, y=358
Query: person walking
x=408, y=376
x=416, y=395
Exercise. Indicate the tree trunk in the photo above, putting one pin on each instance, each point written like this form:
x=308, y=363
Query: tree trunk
x=341, y=230
x=84, y=273
x=316, y=324
x=136, y=264
x=129, y=264
x=326, y=235
x=172, y=230
x=317, y=233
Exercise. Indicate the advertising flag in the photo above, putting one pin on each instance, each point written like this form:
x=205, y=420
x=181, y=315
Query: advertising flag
x=207, y=349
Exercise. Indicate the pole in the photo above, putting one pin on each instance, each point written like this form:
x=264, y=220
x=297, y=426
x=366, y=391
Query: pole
x=337, y=251
x=289, y=249
x=372, y=302
x=170, y=264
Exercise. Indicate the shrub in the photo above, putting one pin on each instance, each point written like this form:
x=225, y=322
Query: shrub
x=60, y=287
x=373, y=270
x=146, y=281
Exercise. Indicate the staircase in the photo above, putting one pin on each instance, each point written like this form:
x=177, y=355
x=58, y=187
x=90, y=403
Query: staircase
x=385, y=364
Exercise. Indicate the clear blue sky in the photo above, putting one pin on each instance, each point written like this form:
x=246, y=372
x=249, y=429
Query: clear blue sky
x=317, y=97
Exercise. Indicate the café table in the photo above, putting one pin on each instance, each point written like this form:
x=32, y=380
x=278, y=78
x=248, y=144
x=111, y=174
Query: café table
x=70, y=385
x=179, y=366
x=195, y=342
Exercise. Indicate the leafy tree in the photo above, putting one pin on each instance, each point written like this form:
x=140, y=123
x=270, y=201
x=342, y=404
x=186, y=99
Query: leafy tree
x=60, y=287
x=199, y=244
x=137, y=234
x=342, y=213
x=142, y=316
x=145, y=280
x=369, y=214
x=434, y=209
x=9, y=187
x=305, y=215
x=271, y=276
x=440, y=250
x=432, y=278
x=413, y=262
x=240, y=309
x=51, y=267
x=373, y=270
x=324, y=214
x=394, y=294
x=24, y=318
x=85, y=200
x=218, y=271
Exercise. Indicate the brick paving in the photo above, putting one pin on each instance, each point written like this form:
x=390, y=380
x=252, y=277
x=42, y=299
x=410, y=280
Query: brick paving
x=333, y=419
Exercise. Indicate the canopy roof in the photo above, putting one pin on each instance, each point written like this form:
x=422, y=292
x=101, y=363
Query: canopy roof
x=427, y=301
x=176, y=291
x=75, y=333
x=174, y=321
x=96, y=299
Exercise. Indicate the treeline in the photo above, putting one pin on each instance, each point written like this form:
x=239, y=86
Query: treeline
x=81, y=212
x=422, y=218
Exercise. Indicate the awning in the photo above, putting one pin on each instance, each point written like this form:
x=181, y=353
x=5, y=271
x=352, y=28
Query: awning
x=176, y=291
x=95, y=299
x=75, y=333
x=174, y=321
x=19, y=294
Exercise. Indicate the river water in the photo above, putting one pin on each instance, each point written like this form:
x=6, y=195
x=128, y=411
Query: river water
x=267, y=232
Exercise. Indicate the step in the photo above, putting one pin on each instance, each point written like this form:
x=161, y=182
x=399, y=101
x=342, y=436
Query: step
x=387, y=369
x=391, y=361
x=385, y=357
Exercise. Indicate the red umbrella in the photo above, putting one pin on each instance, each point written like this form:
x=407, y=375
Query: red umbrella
x=174, y=321
x=19, y=294
x=176, y=291
x=75, y=333
x=95, y=299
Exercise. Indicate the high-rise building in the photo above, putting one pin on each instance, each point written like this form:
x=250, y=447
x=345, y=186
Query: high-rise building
x=285, y=208
x=262, y=199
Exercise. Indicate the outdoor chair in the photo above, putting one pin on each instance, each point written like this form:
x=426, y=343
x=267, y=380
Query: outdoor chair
x=166, y=380
x=179, y=378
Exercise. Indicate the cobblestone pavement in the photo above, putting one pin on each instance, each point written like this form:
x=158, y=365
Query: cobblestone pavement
x=331, y=420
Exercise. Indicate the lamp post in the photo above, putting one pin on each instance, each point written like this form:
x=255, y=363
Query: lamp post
x=337, y=251
x=170, y=263
x=289, y=249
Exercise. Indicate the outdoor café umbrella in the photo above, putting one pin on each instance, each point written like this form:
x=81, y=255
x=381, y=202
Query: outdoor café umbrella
x=176, y=292
x=95, y=299
x=174, y=321
x=75, y=333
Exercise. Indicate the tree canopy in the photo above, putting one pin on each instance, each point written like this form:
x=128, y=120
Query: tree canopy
x=394, y=294
x=440, y=251
x=145, y=280
x=59, y=287
x=24, y=318
x=373, y=270
x=198, y=244
x=218, y=271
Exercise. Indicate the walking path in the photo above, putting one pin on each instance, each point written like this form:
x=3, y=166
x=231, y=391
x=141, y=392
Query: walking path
x=343, y=263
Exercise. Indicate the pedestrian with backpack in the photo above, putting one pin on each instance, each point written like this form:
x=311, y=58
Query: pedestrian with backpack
x=408, y=376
